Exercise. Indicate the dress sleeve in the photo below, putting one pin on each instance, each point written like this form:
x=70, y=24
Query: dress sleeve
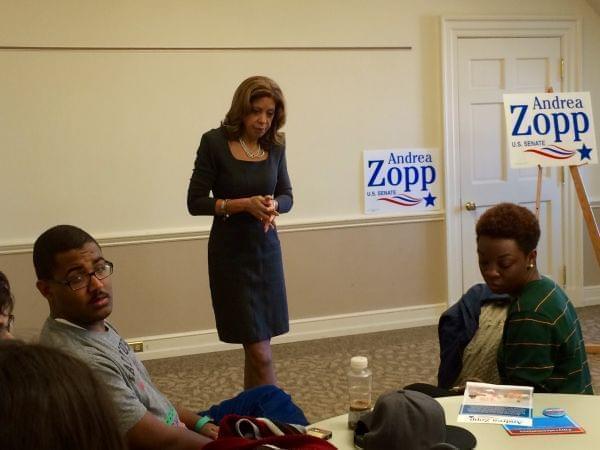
x=203, y=178
x=283, y=188
x=527, y=350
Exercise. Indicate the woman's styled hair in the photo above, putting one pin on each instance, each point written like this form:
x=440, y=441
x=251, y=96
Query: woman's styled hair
x=250, y=90
x=50, y=400
x=7, y=302
x=510, y=221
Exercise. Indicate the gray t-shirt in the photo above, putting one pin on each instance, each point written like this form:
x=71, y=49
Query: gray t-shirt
x=117, y=366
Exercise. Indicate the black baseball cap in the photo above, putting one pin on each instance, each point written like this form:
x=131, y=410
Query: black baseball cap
x=409, y=420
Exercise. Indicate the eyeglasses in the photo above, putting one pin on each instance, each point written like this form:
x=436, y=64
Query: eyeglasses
x=5, y=327
x=82, y=280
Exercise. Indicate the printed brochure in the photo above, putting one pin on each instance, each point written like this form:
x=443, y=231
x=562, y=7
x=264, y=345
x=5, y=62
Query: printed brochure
x=494, y=403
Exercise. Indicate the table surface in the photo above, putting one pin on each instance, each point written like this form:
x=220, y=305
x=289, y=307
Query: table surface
x=583, y=409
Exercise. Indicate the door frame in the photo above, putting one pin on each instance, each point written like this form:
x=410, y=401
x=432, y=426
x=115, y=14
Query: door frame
x=568, y=29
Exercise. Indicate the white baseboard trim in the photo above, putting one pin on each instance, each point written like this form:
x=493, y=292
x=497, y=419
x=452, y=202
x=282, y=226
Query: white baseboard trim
x=591, y=295
x=204, y=341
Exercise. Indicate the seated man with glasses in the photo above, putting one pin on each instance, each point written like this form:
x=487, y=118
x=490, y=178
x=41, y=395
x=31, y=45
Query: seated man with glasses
x=7, y=304
x=75, y=279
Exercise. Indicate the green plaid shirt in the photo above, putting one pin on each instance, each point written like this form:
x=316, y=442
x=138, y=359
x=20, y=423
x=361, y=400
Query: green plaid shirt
x=542, y=344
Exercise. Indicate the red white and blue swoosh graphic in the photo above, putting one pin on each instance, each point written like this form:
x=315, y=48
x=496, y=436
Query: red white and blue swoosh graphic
x=553, y=151
x=403, y=200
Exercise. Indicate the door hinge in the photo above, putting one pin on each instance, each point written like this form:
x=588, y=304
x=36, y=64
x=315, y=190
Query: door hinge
x=562, y=69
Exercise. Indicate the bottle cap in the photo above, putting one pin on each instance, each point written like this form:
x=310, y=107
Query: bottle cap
x=359, y=362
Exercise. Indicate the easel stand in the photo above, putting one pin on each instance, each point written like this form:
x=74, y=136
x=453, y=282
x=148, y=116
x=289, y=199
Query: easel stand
x=586, y=209
x=592, y=228
x=588, y=216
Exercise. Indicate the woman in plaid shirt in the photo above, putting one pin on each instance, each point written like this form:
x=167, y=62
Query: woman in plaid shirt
x=542, y=344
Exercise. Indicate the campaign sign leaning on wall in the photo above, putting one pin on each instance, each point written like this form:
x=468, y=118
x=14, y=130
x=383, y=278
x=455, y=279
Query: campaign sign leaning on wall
x=555, y=129
x=402, y=181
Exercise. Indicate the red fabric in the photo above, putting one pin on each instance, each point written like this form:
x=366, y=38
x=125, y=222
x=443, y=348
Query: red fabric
x=288, y=442
x=227, y=426
x=229, y=439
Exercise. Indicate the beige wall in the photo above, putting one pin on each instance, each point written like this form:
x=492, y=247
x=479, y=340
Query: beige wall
x=161, y=287
x=591, y=275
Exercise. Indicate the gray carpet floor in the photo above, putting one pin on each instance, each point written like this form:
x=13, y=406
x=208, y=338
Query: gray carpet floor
x=314, y=372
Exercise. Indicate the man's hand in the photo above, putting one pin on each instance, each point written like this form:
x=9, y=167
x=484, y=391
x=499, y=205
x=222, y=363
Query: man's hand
x=151, y=433
x=211, y=430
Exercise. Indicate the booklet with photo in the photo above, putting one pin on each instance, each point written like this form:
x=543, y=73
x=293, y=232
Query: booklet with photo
x=546, y=425
x=495, y=403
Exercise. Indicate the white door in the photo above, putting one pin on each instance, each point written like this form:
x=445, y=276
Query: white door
x=488, y=68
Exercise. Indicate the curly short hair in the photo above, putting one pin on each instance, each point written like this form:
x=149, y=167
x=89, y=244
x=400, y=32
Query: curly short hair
x=510, y=221
x=249, y=90
x=58, y=239
x=7, y=301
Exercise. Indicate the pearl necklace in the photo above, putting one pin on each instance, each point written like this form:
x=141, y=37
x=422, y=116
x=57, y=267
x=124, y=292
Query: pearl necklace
x=259, y=153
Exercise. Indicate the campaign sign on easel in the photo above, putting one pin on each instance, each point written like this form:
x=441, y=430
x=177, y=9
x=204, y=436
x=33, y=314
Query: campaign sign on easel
x=550, y=129
x=402, y=181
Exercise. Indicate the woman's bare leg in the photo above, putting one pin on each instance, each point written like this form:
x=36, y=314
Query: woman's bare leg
x=258, y=367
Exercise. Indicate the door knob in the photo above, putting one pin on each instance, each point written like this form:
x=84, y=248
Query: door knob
x=471, y=206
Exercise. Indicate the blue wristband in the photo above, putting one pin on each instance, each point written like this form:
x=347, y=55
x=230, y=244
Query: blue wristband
x=201, y=422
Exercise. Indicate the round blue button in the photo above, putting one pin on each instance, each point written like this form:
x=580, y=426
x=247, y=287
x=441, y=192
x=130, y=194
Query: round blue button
x=554, y=412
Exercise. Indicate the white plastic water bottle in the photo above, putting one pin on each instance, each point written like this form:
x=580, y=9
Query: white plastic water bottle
x=360, y=381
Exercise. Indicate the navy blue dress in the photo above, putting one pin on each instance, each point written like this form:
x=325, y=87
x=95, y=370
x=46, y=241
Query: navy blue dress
x=244, y=263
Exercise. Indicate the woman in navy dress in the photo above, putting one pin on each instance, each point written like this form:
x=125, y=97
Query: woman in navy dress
x=243, y=164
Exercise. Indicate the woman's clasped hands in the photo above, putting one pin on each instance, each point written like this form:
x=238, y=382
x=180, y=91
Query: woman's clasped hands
x=264, y=208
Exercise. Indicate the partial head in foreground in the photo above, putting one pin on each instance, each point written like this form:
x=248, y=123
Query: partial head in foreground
x=51, y=400
x=73, y=276
x=257, y=112
x=507, y=238
x=7, y=304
